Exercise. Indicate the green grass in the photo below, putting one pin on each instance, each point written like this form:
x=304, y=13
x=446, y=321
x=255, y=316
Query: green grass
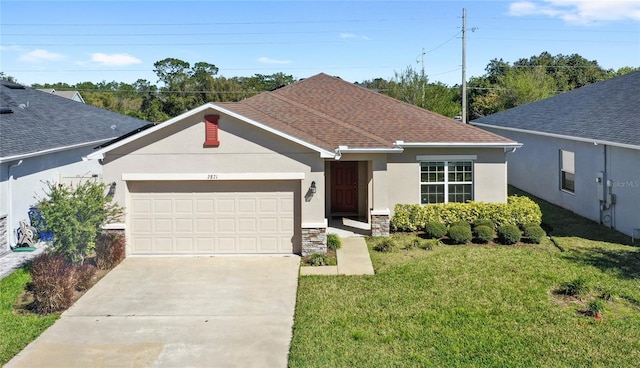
x=17, y=330
x=481, y=306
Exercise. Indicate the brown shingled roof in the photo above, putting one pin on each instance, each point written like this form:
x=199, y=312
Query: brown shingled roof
x=329, y=112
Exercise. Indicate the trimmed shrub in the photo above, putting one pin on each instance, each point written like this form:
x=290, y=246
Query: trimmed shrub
x=110, y=250
x=509, y=234
x=53, y=283
x=385, y=245
x=518, y=210
x=84, y=276
x=484, y=234
x=333, y=241
x=460, y=234
x=534, y=233
x=484, y=222
x=435, y=230
x=461, y=223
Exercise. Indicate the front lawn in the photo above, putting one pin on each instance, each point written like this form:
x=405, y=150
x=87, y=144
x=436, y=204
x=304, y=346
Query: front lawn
x=476, y=305
x=17, y=330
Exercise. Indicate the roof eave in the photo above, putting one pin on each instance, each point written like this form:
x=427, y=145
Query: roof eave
x=561, y=136
x=458, y=144
x=51, y=150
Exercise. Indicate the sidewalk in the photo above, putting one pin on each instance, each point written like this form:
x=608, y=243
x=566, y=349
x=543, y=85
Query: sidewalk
x=11, y=261
x=353, y=259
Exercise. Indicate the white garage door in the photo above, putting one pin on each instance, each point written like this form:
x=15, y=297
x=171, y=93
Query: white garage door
x=212, y=217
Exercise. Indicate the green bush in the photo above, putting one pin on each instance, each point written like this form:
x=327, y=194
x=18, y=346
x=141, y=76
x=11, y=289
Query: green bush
x=518, y=210
x=484, y=234
x=534, y=233
x=385, y=245
x=333, y=241
x=460, y=234
x=484, y=222
x=509, y=234
x=596, y=306
x=461, y=223
x=435, y=230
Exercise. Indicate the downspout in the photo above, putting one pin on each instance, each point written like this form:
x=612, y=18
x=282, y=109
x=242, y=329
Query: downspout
x=9, y=202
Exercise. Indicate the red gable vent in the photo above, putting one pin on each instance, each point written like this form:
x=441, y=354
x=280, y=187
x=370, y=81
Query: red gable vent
x=211, y=131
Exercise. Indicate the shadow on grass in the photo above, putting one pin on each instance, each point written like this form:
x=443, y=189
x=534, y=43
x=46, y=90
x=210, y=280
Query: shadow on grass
x=559, y=222
x=624, y=263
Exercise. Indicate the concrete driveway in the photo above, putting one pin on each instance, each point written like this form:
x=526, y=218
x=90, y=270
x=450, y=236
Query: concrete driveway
x=177, y=312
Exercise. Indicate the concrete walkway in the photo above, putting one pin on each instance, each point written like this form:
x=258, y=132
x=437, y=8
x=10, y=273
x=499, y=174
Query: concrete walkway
x=177, y=312
x=353, y=259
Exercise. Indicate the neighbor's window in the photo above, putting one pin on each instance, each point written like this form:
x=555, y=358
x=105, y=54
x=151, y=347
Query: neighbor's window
x=446, y=181
x=567, y=171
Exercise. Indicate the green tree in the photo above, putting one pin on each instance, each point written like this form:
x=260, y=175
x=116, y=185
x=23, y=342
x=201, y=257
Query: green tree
x=519, y=87
x=75, y=215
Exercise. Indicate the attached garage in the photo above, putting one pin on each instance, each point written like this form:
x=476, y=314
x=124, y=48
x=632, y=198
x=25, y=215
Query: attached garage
x=213, y=217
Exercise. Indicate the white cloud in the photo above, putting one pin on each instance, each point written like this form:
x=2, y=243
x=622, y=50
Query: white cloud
x=114, y=59
x=267, y=60
x=37, y=56
x=579, y=11
x=352, y=35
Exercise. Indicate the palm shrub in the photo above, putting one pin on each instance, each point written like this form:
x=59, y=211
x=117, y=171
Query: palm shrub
x=509, y=234
x=484, y=234
x=460, y=234
x=534, y=233
x=435, y=230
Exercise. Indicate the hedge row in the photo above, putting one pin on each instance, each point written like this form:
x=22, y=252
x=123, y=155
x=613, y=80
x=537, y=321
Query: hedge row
x=517, y=211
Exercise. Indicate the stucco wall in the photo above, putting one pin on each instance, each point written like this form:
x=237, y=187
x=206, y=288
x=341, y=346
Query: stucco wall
x=243, y=149
x=489, y=174
x=535, y=168
x=29, y=178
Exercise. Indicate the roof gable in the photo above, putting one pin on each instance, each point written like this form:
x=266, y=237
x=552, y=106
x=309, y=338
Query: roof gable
x=601, y=112
x=42, y=122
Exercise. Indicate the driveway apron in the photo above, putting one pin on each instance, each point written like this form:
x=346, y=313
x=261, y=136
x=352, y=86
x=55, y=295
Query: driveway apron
x=177, y=312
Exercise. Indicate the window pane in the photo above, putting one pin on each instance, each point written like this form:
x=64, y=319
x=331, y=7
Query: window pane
x=459, y=192
x=459, y=171
x=432, y=172
x=432, y=193
x=568, y=182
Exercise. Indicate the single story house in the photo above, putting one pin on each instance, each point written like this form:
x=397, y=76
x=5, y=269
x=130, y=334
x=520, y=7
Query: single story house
x=581, y=150
x=43, y=137
x=267, y=174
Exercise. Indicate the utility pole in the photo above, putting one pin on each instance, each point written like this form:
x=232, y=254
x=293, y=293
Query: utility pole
x=464, y=66
x=424, y=82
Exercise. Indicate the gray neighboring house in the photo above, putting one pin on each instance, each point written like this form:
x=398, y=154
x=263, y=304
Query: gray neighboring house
x=44, y=137
x=581, y=150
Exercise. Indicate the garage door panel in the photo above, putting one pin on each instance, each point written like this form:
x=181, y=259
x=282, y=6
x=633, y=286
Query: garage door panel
x=212, y=217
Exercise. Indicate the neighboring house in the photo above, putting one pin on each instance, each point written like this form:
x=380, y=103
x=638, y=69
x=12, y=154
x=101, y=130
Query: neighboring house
x=267, y=174
x=72, y=95
x=581, y=150
x=43, y=138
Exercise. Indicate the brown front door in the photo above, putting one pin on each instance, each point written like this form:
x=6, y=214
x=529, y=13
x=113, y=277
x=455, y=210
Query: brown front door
x=344, y=187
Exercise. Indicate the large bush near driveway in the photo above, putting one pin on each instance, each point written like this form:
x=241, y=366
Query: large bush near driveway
x=518, y=210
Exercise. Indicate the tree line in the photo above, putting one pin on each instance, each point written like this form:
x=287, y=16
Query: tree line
x=503, y=86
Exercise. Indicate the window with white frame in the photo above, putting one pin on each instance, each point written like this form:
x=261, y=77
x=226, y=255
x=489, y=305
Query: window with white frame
x=446, y=181
x=567, y=171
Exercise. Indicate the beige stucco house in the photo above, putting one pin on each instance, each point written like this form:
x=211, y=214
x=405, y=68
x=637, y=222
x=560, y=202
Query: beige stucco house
x=268, y=174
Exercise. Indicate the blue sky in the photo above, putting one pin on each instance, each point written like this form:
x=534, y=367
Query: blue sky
x=77, y=41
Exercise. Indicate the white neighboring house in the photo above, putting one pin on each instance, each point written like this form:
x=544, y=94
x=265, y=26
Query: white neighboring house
x=581, y=150
x=43, y=137
x=72, y=95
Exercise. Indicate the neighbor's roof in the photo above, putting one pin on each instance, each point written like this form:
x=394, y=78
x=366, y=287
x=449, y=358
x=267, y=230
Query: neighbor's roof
x=329, y=112
x=605, y=112
x=72, y=95
x=34, y=122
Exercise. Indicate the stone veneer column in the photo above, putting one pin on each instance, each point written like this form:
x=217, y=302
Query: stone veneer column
x=379, y=224
x=314, y=240
x=4, y=235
